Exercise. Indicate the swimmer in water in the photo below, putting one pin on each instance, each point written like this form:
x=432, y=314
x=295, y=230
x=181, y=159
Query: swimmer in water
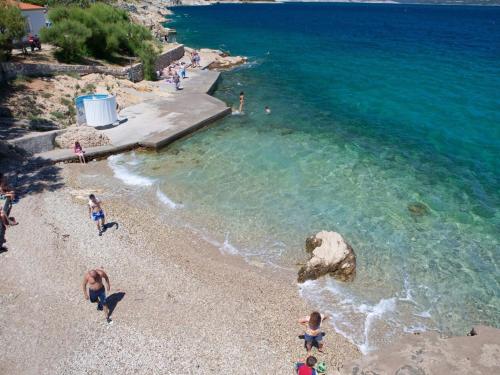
x=242, y=101
x=267, y=110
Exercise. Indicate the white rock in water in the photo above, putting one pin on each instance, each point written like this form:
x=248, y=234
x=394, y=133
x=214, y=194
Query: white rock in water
x=331, y=254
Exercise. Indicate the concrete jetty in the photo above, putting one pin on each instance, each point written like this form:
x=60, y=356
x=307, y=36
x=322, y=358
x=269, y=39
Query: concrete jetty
x=158, y=121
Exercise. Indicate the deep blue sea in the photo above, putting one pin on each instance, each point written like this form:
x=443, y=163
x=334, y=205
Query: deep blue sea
x=384, y=126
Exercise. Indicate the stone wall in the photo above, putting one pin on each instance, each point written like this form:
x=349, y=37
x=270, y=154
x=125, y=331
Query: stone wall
x=168, y=57
x=9, y=70
x=135, y=72
x=37, y=142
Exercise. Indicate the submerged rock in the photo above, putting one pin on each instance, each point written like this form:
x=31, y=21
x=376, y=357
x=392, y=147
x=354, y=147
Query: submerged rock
x=418, y=209
x=330, y=255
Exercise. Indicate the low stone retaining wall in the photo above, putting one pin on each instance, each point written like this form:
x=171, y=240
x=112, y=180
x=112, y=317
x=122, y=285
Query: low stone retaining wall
x=9, y=70
x=135, y=72
x=37, y=142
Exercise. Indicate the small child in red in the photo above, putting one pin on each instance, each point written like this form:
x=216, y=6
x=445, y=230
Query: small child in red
x=308, y=367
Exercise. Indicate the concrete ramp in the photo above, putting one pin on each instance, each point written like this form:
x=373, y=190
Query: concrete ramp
x=158, y=121
x=155, y=123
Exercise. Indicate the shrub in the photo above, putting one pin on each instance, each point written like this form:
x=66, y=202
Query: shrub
x=148, y=54
x=89, y=88
x=100, y=31
x=12, y=27
x=70, y=36
x=58, y=115
x=66, y=102
x=71, y=111
x=20, y=80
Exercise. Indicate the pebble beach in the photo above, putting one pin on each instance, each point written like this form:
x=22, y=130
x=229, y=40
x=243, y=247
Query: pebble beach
x=180, y=305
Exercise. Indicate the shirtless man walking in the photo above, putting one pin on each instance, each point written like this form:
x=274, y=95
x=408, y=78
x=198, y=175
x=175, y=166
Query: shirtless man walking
x=96, y=290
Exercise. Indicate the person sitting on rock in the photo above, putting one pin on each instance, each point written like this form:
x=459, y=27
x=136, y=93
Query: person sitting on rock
x=312, y=332
x=78, y=150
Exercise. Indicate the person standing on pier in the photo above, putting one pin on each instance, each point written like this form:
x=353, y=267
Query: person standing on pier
x=182, y=70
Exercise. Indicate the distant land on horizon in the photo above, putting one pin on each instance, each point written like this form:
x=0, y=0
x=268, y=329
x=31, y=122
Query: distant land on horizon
x=409, y=2
x=423, y=2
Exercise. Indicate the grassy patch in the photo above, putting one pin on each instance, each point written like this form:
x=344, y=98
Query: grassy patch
x=66, y=102
x=58, y=115
x=20, y=81
x=89, y=88
x=46, y=95
x=36, y=118
x=71, y=111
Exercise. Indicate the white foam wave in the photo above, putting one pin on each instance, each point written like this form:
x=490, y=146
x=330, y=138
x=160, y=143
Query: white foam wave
x=134, y=160
x=407, y=290
x=163, y=198
x=424, y=314
x=374, y=313
x=122, y=173
x=416, y=328
x=227, y=247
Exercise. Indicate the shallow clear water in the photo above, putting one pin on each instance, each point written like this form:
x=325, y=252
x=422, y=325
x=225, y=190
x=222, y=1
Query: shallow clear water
x=376, y=109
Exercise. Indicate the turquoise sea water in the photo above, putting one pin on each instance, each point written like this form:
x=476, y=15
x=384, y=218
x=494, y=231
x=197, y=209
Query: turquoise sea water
x=376, y=110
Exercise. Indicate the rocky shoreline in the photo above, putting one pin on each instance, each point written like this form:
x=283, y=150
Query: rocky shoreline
x=153, y=14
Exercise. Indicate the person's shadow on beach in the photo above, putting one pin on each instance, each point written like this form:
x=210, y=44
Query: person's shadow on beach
x=111, y=225
x=112, y=300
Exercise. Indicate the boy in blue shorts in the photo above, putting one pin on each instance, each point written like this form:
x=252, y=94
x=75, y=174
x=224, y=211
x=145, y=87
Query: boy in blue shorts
x=96, y=213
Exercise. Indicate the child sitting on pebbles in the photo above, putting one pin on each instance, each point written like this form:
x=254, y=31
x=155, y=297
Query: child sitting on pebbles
x=309, y=367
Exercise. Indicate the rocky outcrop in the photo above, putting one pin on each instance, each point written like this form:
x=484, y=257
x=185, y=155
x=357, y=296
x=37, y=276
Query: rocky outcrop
x=330, y=255
x=217, y=59
x=87, y=136
x=221, y=60
x=149, y=13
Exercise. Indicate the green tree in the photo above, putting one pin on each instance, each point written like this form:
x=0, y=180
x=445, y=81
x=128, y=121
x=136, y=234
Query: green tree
x=100, y=31
x=12, y=27
x=70, y=36
x=148, y=55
